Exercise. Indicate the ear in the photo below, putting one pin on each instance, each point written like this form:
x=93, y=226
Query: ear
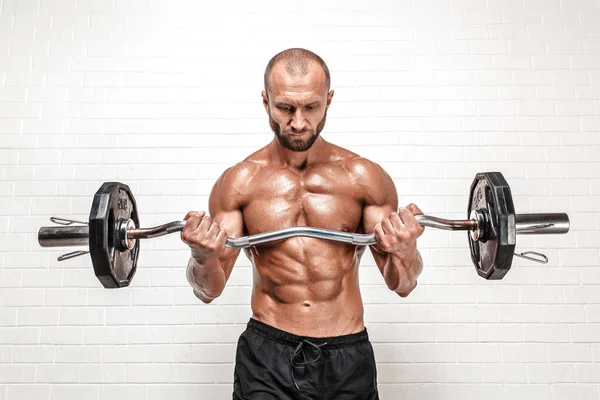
x=265, y=101
x=329, y=97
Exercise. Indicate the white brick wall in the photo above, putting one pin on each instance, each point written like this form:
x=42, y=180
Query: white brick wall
x=164, y=96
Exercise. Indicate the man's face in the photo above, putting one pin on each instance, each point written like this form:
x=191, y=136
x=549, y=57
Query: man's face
x=297, y=106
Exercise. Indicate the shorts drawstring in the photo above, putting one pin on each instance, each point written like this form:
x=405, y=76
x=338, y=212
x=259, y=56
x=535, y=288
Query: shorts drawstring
x=299, y=351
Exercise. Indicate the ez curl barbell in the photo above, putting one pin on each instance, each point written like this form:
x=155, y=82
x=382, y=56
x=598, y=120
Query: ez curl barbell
x=113, y=236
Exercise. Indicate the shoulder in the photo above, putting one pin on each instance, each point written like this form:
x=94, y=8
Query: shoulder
x=365, y=170
x=240, y=173
x=233, y=186
x=358, y=167
x=377, y=185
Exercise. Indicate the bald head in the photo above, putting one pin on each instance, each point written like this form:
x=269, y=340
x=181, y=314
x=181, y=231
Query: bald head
x=297, y=62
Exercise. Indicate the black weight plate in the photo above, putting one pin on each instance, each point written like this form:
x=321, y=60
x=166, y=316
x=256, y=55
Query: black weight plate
x=492, y=255
x=113, y=266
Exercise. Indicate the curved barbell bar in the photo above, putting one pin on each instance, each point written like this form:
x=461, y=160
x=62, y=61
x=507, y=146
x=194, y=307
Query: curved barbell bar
x=58, y=236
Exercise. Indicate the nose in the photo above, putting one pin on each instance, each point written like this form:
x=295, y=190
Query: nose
x=298, y=123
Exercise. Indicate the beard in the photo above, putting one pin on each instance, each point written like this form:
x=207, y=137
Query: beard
x=297, y=144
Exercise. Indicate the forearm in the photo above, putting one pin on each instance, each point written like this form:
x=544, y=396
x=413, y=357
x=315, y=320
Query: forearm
x=401, y=271
x=207, y=278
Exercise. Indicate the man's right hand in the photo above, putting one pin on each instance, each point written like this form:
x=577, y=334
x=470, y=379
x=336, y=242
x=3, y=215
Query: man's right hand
x=205, y=236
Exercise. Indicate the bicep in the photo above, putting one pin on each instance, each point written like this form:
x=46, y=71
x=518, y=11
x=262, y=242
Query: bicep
x=372, y=215
x=232, y=222
x=224, y=207
x=381, y=201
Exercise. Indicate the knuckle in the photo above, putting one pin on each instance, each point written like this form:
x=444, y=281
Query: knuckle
x=213, y=247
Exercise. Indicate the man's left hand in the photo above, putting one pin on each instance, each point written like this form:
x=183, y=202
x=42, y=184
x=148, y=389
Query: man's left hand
x=398, y=232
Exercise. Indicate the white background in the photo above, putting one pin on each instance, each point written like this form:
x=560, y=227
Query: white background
x=165, y=95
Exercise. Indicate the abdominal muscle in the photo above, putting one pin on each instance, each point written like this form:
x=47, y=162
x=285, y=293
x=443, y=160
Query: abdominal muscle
x=308, y=287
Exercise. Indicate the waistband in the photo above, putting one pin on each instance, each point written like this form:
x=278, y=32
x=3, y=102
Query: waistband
x=289, y=338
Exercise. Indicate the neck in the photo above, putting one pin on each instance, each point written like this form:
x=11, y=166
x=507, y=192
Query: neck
x=298, y=160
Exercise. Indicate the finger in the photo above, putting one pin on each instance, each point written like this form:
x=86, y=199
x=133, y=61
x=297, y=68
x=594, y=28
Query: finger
x=383, y=241
x=199, y=214
x=222, y=237
x=408, y=218
x=387, y=226
x=397, y=222
x=189, y=229
x=191, y=223
x=213, y=230
x=416, y=211
x=412, y=207
x=379, y=233
x=204, y=225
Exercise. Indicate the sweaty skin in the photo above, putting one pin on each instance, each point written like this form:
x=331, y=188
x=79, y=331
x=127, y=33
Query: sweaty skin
x=305, y=286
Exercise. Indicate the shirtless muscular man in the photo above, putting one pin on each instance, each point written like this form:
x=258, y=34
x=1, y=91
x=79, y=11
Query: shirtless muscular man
x=306, y=338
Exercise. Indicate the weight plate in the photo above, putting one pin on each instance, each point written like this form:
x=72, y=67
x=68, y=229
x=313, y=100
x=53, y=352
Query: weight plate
x=492, y=254
x=113, y=265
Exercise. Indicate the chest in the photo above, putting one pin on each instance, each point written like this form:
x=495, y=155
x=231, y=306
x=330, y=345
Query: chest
x=322, y=197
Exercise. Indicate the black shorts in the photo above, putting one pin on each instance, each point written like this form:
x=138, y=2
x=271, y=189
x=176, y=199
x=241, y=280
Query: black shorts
x=271, y=364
